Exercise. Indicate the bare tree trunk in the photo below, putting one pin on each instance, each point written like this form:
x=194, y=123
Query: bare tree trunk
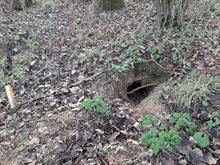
x=110, y=4
x=171, y=12
x=21, y=4
x=16, y=4
x=28, y=3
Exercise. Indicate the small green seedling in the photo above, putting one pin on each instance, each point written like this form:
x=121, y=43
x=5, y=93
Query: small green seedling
x=205, y=102
x=160, y=140
x=214, y=122
x=18, y=71
x=32, y=43
x=156, y=53
x=149, y=120
x=133, y=51
x=183, y=121
x=96, y=104
x=143, y=34
x=123, y=67
x=202, y=139
x=176, y=56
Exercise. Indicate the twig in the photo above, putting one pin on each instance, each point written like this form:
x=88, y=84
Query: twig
x=141, y=87
x=87, y=79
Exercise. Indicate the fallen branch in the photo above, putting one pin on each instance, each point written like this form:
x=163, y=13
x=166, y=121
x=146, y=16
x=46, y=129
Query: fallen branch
x=141, y=87
x=87, y=79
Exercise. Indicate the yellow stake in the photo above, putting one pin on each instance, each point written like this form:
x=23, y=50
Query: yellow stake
x=10, y=94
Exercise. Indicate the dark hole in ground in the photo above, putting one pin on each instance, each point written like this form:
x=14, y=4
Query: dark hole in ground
x=139, y=95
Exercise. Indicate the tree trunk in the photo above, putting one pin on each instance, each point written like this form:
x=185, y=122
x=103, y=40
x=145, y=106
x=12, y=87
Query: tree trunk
x=110, y=4
x=21, y=4
x=28, y=3
x=171, y=12
x=16, y=4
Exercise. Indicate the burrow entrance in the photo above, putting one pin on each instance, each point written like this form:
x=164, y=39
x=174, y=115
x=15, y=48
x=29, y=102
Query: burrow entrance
x=136, y=92
x=136, y=84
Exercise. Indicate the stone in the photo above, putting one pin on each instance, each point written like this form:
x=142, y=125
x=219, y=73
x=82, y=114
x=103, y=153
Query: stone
x=196, y=155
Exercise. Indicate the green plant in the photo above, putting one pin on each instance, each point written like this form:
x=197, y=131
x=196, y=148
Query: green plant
x=133, y=51
x=183, y=121
x=96, y=104
x=156, y=53
x=160, y=140
x=123, y=67
x=116, y=45
x=143, y=34
x=45, y=4
x=176, y=56
x=17, y=71
x=95, y=52
x=9, y=131
x=202, y=139
x=149, y=120
x=17, y=37
x=186, y=45
x=117, y=42
x=32, y=43
x=215, y=121
x=195, y=89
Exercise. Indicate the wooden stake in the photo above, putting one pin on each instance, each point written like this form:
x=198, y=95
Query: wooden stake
x=10, y=94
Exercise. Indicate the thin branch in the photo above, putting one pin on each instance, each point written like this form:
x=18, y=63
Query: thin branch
x=87, y=79
x=141, y=87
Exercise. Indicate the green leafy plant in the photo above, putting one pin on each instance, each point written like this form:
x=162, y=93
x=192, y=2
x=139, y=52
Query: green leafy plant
x=160, y=139
x=126, y=66
x=176, y=56
x=96, y=104
x=149, y=120
x=17, y=72
x=183, y=121
x=214, y=122
x=133, y=51
x=156, y=53
x=116, y=45
x=47, y=4
x=94, y=52
x=186, y=45
x=202, y=139
x=32, y=43
x=143, y=34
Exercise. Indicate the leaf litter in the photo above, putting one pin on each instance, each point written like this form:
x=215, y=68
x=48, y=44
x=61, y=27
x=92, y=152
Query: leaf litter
x=52, y=45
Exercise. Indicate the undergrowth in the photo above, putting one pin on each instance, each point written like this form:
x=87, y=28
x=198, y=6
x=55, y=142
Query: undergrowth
x=162, y=138
x=96, y=104
x=195, y=89
x=144, y=46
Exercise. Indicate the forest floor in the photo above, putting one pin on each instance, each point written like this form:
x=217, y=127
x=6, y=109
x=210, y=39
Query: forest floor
x=66, y=59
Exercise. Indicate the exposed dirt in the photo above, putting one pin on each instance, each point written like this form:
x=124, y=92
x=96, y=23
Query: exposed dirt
x=54, y=44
